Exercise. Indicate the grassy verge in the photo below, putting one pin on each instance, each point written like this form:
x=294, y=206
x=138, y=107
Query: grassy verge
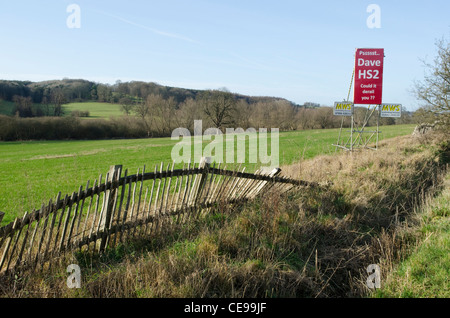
x=307, y=243
x=425, y=272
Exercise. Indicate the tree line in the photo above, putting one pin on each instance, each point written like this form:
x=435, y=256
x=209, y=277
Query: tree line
x=221, y=109
x=152, y=110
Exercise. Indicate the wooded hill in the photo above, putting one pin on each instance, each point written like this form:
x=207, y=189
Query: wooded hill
x=80, y=90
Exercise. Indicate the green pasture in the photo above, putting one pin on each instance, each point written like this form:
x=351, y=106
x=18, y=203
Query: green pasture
x=34, y=172
x=96, y=110
x=6, y=108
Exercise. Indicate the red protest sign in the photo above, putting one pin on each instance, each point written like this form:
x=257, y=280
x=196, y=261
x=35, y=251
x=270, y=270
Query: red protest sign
x=368, y=76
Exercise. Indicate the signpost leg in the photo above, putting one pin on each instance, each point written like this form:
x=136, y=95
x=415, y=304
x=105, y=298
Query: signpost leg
x=351, y=135
x=339, y=137
x=378, y=125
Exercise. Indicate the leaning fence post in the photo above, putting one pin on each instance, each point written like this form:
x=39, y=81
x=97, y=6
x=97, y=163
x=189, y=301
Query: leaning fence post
x=105, y=222
x=204, y=164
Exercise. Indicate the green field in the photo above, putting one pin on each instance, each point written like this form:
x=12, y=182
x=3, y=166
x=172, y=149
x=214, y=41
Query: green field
x=96, y=110
x=6, y=108
x=34, y=172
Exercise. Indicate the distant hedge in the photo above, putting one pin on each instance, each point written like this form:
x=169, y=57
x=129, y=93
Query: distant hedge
x=60, y=128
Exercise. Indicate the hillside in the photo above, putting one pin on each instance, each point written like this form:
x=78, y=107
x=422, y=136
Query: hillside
x=80, y=90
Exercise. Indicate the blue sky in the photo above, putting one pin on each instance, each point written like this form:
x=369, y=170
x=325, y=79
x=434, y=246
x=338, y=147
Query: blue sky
x=299, y=50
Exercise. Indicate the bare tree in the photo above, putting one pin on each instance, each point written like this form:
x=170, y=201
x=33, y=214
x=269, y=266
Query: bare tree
x=434, y=90
x=243, y=114
x=219, y=106
x=23, y=106
x=162, y=111
x=305, y=118
x=58, y=99
x=142, y=110
x=187, y=112
x=126, y=105
x=323, y=116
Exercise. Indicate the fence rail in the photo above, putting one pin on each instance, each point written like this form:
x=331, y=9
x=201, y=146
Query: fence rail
x=123, y=207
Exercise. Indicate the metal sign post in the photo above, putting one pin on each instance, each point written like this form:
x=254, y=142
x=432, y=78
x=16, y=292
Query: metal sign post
x=358, y=138
x=368, y=81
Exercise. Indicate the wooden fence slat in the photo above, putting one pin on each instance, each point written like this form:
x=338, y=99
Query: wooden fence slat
x=217, y=182
x=24, y=241
x=203, y=177
x=210, y=185
x=156, y=213
x=133, y=200
x=242, y=195
x=44, y=210
x=138, y=208
x=61, y=216
x=30, y=247
x=110, y=202
x=102, y=213
x=122, y=194
x=188, y=190
x=125, y=212
x=74, y=219
x=93, y=234
x=66, y=223
x=14, y=246
x=224, y=184
x=161, y=208
x=52, y=225
x=251, y=184
x=8, y=244
x=180, y=186
x=114, y=207
x=236, y=187
x=146, y=231
x=172, y=201
x=168, y=186
x=87, y=217
x=77, y=232
x=166, y=210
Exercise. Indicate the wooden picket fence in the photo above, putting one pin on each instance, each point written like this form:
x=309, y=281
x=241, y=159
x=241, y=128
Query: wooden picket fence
x=124, y=207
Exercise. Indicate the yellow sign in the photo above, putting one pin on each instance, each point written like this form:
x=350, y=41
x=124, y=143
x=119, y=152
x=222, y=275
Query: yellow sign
x=343, y=109
x=391, y=110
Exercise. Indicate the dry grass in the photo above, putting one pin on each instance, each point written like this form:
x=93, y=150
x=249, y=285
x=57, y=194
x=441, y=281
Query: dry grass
x=308, y=243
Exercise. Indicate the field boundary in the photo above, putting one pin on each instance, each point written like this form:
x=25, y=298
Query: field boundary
x=126, y=207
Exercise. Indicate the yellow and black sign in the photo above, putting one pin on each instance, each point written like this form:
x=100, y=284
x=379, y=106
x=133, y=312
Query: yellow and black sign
x=391, y=110
x=343, y=109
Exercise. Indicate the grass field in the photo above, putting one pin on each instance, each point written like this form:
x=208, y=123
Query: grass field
x=96, y=110
x=34, y=172
x=6, y=108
